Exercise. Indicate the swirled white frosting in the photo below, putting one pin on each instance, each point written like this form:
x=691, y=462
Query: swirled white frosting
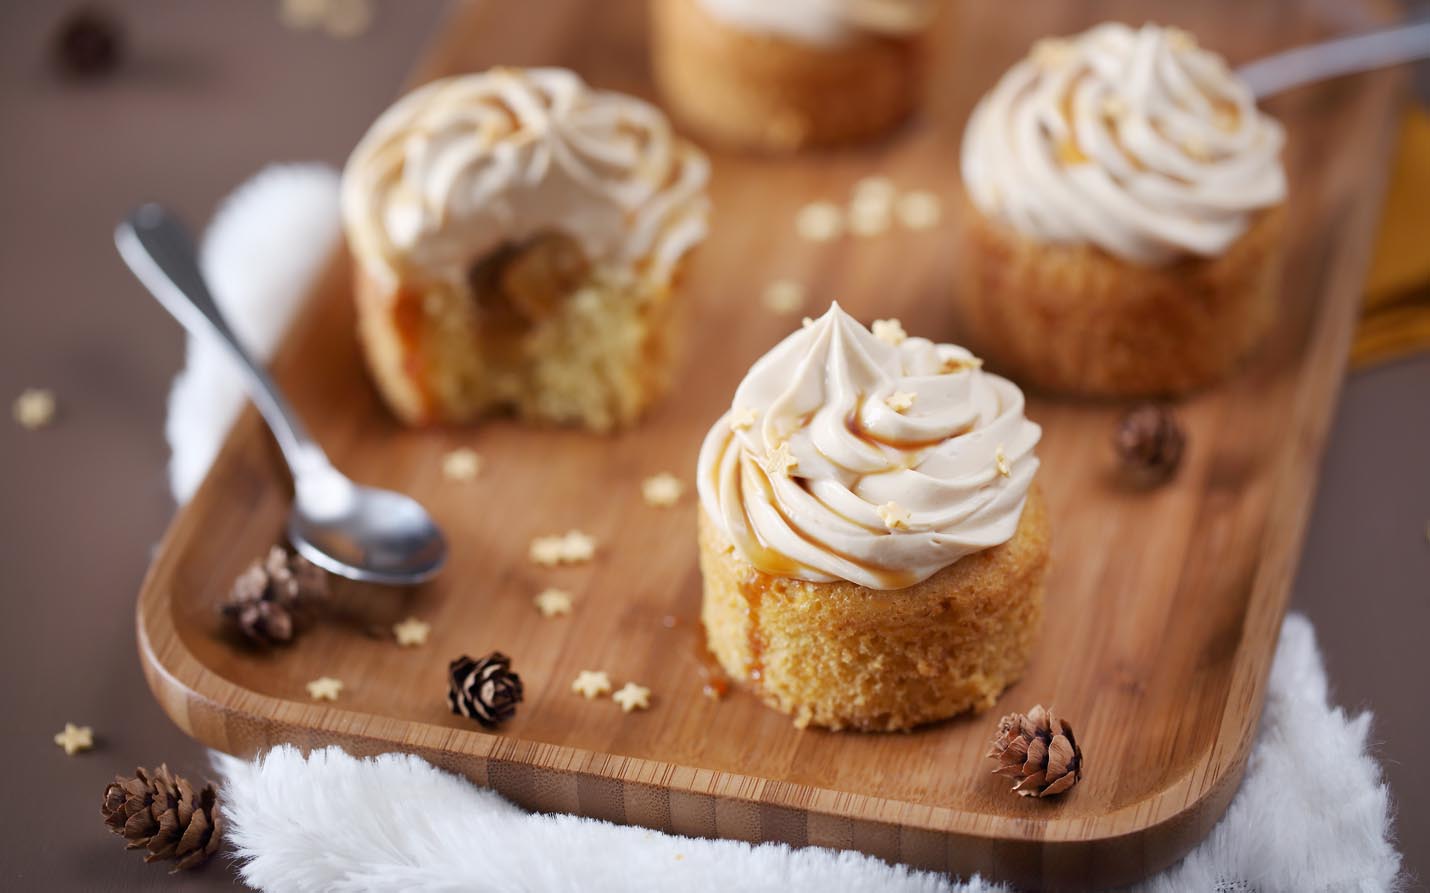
x=848, y=457
x=1137, y=141
x=824, y=21
x=464, y=164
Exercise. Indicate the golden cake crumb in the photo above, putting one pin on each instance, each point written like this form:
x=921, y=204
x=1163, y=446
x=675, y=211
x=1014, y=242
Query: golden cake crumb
x=901, y=401
x=1001, y=461
x=890, y=331
x=35, y=408
x=632, y=697
x=819, y=221
x=662, y=490
x=461, y=464
x=75, y=739
x=325, y=688
x=553, y=602
x=742, y=417
x=411, y=632
x=591, y=684
x=779, y=462
x=894, y=516
x=783, y=296
x=919, y=209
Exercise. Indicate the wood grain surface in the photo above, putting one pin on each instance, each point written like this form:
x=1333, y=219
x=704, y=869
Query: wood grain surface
x=1163, y=605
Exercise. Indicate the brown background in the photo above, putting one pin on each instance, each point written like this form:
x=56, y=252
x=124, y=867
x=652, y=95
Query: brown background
x=211, y=92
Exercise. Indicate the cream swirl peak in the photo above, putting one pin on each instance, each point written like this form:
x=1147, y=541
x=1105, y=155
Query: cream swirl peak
x=465, y=164
x=824, y=21
x=877, y=460
x=1137, y=141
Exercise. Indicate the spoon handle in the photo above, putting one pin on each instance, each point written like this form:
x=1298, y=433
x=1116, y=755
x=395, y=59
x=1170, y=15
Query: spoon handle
x=158, y=250
x=1332, y=58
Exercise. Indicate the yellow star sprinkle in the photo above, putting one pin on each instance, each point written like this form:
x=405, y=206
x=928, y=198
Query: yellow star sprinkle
x=890, y=331
x=742, y=418
x=780, y=461
x=573, y=547
x=411, y=632
x=894, y=517
x=1001, y=461
x=35, y=408
x=325, y=688
x=579, y=547
x=461, y=464
x=552, y=602
x=819, y=221
x=901, y=401
x=961, y=364
x=919, y=210
x=783, y=296
x=75, y=739
x=662, y=490
x=591, y=684
x=632, y=697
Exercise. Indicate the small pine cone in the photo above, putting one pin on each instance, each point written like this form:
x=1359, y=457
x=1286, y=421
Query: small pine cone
x=1149, y=441
x=485, y=690
x=162, y=813
x=1038, y=751
x=273, y=594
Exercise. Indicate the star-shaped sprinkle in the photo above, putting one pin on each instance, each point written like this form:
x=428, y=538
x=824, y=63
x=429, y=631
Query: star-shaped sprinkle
x=662, y=490
x=411, y=632
x=572, y=547
x=742, y=417
x=873, y=188
x=579, y=546
x=1180, y=39
x=901, y=401
x=961, y=364
x=35, y=408
x=806, y=322
x=819, y=221
x=461, y=464
x=1114, y=106
x=919, y=210
x=632, y=697
x=1001, y=461
x=325, y=688
x=779, y=462
x=591, y=684
x=869, y=219
x=1050, y=52
x=783, y=296
x=890, y=331
x=75, y=739
x=553, y=602
x=893, y=516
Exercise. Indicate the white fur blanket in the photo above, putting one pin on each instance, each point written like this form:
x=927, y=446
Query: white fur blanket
x=1313, y=813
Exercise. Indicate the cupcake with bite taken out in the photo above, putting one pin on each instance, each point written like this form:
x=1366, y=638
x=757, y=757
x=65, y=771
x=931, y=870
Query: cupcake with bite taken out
x=1124, y=228
x=871, y=538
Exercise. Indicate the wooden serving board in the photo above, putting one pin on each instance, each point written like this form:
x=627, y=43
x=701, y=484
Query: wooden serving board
x=1163, y=606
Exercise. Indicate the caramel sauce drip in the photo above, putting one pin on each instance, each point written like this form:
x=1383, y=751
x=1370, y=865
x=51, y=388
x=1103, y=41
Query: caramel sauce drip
x=753, y=587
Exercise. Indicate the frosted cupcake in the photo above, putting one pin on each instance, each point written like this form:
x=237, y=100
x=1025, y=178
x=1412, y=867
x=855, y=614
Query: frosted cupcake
x=517, y=238
x=872, y=543
x=779, y=75
x=1124, y=237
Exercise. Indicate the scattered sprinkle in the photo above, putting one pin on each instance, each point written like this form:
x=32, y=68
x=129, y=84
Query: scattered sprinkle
x=742, y=417
x=573, y=547
x=300, y=14
x=901, y=401
x=874, y=188
x=1180, y=39
x=779, y=462
x=961, y=364
x=553, y=602
x=806, y=322
x=890, y=331
x=1197, y=149
x=35, y=408
x=819, y=221
x=1113, y=106
x=1001, y=461
x=75, y=739
x=1050, y=52
x=632, y=697
x=591, y=684
x=411, y=632
x=348, y=18
x=783, y=296
x=870, y=219
x=325, y=688
x=662, y=490
x=919, y=210
x=894, y=517
x=461, y=464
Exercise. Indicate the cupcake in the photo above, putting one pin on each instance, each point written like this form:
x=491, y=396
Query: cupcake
x=516, y=239
x=779, y=75
x=1125, y=228
x=872, y=544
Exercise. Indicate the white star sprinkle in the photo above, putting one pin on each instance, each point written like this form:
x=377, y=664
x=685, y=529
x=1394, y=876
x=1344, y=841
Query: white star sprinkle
x=572, y=547
x=742, y=417
x=75, y=739
x=894, y=517
x=919, y=210
x=961, y=364
x=553, y=602
x=901, y=401
x=325, y=688
x=461, y=464
x=411, y=632
x=890, y=331
x=779, y=462
x=819, y=221
x=662, y=490
x=632, y=697
x=1000, y=461
x=591, y=684
x=783, y=296
x=35, y=408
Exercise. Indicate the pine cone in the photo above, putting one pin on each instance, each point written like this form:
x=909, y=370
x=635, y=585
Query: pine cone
x=273, y=594
x=1039, y=751
x=161, y=813
x=1149, y=441
x=485, y=690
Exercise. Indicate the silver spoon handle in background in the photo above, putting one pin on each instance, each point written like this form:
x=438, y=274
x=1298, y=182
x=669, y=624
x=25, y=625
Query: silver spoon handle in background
x=1332, y=58
x=159, y=251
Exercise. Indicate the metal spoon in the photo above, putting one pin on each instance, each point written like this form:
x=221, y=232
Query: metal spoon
x=361, y=533
x=1332, y=58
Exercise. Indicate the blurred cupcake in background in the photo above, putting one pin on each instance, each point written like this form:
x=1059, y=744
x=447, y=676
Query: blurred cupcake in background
x=782, y=75
x=1125, y=225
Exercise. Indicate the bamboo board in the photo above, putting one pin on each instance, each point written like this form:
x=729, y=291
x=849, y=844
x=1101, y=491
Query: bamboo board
x=1163, y=605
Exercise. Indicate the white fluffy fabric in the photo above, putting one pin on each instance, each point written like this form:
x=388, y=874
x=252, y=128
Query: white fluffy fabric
x=1313, y=813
